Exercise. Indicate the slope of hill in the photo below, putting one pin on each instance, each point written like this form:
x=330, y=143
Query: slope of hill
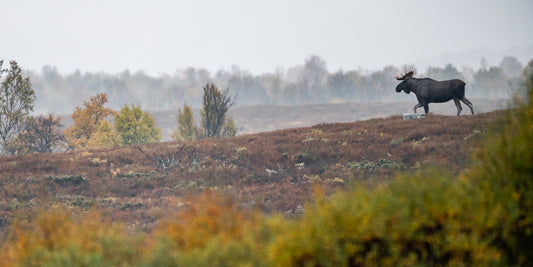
x=256, y=119
x=274, y=171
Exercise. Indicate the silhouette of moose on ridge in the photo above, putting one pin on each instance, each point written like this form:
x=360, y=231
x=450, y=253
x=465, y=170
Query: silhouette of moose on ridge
x=431, y=91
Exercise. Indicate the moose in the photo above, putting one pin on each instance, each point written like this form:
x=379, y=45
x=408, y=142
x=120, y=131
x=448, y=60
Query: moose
x=431, y=91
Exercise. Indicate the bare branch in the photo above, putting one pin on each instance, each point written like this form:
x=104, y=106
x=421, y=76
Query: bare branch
x=165, y=162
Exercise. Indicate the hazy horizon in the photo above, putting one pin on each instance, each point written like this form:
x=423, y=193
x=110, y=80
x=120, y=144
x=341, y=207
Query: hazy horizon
x=160, y=37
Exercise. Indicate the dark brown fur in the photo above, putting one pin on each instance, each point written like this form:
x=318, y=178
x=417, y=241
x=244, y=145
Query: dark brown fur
x=431, y=91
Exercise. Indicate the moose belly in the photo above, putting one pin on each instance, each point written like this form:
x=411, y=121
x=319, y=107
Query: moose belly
x=440, y=100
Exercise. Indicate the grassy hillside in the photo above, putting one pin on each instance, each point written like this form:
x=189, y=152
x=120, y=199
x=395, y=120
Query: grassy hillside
x=274, y=171
x=433, y=192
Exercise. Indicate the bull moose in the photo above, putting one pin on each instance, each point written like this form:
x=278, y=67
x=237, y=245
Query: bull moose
x=431, y=91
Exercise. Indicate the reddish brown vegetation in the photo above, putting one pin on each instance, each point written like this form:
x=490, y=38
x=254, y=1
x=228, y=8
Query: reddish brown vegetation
x=274, y=171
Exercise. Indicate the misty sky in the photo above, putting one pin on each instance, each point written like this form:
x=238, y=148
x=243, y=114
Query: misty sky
x=163, y=36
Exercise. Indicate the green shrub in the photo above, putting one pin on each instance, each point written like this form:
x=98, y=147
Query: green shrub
x=135, y=126
x=68, y=179
x=369, y=166
x=413, y=220
x=305, y=157
x=131, y=206
x=502, y=171
x=396, y=142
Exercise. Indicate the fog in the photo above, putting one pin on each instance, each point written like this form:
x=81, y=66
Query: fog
x=308, y=83
x=161, y=36
x=166, y=50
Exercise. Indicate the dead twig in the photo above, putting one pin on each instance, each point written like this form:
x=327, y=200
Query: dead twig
x=165, y=162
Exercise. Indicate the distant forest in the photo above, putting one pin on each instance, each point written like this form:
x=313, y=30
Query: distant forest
x=309, y=83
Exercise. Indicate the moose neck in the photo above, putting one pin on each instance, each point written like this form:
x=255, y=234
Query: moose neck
x=412, y=84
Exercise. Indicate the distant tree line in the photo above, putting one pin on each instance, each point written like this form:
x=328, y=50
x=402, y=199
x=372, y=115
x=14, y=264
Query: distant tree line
x=308, y=83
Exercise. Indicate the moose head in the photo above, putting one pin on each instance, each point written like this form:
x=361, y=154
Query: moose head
x=403, y=85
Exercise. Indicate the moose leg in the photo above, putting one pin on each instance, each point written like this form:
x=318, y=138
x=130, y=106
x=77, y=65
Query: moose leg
x=426, y=108
x=419, y=105
x=469, y=104
x=458, y=105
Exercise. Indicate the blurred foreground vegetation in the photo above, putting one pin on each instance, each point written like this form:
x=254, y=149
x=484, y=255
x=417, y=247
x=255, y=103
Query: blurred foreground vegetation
x=481, y=217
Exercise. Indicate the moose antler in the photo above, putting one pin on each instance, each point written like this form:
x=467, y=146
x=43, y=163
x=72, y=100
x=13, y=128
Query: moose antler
x=405, y=75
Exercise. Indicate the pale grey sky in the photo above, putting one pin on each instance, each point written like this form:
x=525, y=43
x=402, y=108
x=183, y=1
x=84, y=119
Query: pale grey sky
x=161, y=36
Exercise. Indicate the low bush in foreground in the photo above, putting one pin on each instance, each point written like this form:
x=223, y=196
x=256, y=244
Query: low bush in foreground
x=59, y=237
